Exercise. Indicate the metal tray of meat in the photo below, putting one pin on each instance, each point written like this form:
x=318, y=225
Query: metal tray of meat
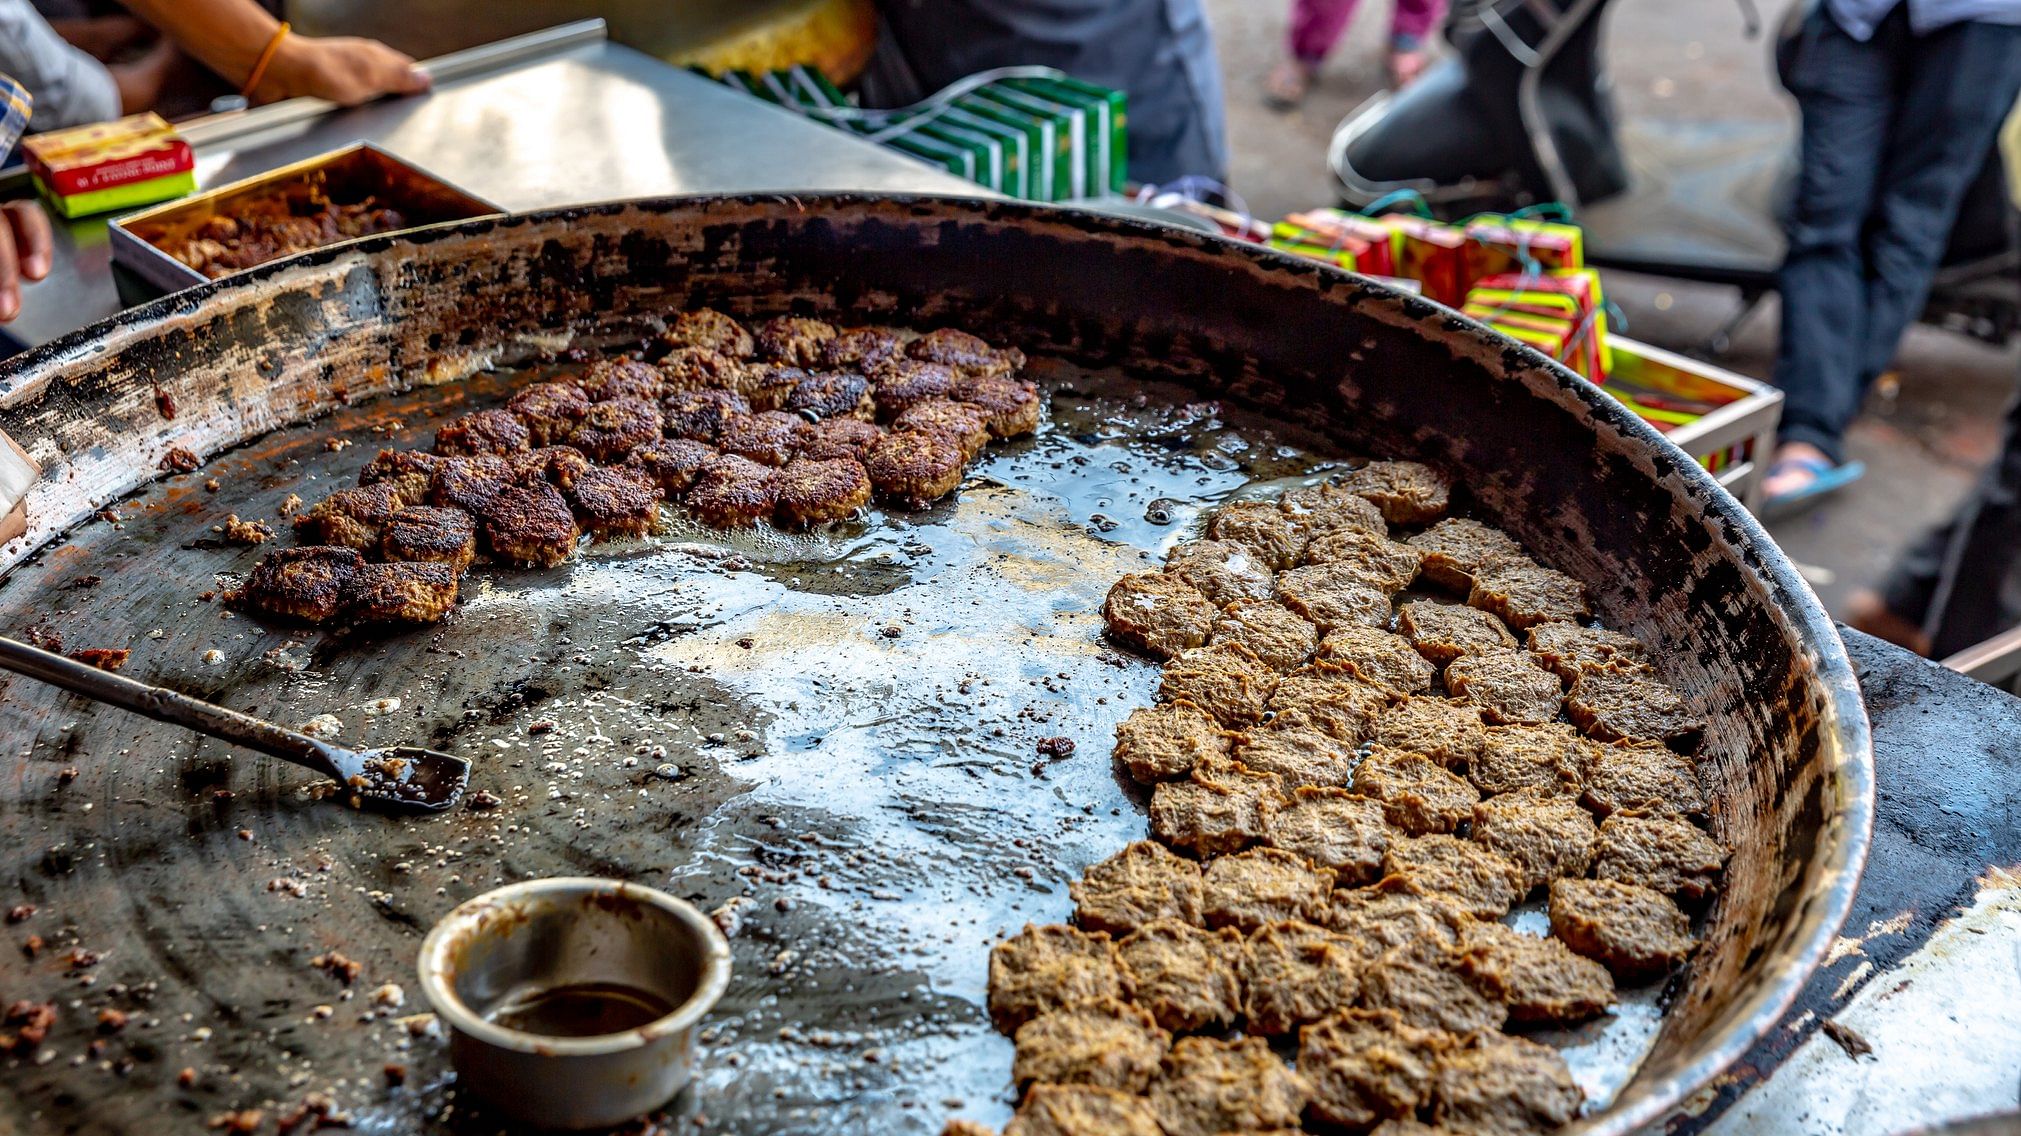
x=830, y=739
x=143, y=242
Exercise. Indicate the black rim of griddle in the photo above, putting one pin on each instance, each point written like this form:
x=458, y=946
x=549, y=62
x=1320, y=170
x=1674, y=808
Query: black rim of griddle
x=1846, y=720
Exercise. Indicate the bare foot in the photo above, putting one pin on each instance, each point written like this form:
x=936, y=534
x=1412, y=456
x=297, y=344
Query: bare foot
x=1869, y=613
x=1406, y=66
x=1287, y=84
x=1795, y=474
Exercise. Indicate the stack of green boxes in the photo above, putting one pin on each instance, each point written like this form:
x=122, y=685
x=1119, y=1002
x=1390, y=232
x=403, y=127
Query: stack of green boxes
x=1048, y=137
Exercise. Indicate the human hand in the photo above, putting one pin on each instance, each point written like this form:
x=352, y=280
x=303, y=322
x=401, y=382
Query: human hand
x=26, y=252
x=343, y=69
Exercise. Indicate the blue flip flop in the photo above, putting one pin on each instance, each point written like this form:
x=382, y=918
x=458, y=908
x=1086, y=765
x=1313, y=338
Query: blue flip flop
x=1828, y=479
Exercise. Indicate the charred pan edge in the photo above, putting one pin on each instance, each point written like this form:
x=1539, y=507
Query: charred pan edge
x=1594, y=490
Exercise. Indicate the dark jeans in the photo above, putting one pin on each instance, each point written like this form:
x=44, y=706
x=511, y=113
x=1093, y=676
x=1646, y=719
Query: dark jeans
x=1959, y=582
x=1894, y=131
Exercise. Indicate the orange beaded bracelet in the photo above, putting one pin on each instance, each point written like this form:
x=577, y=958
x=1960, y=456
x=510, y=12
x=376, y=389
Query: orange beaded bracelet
x=266, y=57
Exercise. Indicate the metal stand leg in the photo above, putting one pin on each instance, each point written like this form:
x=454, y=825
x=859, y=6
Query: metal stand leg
x=1720, y=341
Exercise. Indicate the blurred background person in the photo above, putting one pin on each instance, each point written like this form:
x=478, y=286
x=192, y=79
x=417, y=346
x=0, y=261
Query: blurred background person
x=1317, y=25
x=1159, y=52
x=1901, y=101
x=70, y=86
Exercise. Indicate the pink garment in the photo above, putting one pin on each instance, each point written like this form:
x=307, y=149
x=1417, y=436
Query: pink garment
x=1316, y=25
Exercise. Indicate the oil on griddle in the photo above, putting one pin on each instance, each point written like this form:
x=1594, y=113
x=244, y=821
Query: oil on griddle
x=850, y=744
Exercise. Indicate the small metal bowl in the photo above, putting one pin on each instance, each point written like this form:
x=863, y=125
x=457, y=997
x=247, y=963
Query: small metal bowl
x=572, y=1002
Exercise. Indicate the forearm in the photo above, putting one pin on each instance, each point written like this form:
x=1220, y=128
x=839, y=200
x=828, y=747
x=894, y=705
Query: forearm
x=226, y=36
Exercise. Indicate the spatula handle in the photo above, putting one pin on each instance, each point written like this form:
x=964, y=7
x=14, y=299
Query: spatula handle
x=169, y=706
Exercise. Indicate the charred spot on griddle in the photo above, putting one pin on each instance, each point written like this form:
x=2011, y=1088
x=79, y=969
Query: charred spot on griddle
x=104, y=658
x=310, y=583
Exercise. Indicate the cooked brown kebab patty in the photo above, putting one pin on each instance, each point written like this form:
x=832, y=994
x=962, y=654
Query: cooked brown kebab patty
x=964, y=425
x=739, y=425
x=833, y=394
x=813, y=491
x=622, y=377
x=914, y=467
x=1379, y=730
x=430, y=533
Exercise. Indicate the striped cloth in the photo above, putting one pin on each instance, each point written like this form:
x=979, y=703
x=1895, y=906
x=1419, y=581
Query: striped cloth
x=15, y=105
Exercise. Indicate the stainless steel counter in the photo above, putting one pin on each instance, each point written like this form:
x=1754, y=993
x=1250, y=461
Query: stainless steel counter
x=593, y=122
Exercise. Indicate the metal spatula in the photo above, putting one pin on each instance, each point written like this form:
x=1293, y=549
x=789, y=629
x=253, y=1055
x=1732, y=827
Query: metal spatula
x=401, y=778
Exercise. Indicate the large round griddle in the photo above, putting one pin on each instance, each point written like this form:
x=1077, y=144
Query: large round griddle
x=836, y=736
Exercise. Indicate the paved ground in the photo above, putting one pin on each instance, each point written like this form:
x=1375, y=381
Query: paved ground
x=1672, y=60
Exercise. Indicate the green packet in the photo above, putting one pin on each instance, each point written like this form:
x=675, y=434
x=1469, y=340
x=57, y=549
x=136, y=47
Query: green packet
x=1034, y=145
x=1014, y=145
x=816, y=85
x=933, y=151
x=749, y=84
x=779, y=88
x=812, y=89
x=1060, y=168
x=988, y=151
x=1109, y=124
